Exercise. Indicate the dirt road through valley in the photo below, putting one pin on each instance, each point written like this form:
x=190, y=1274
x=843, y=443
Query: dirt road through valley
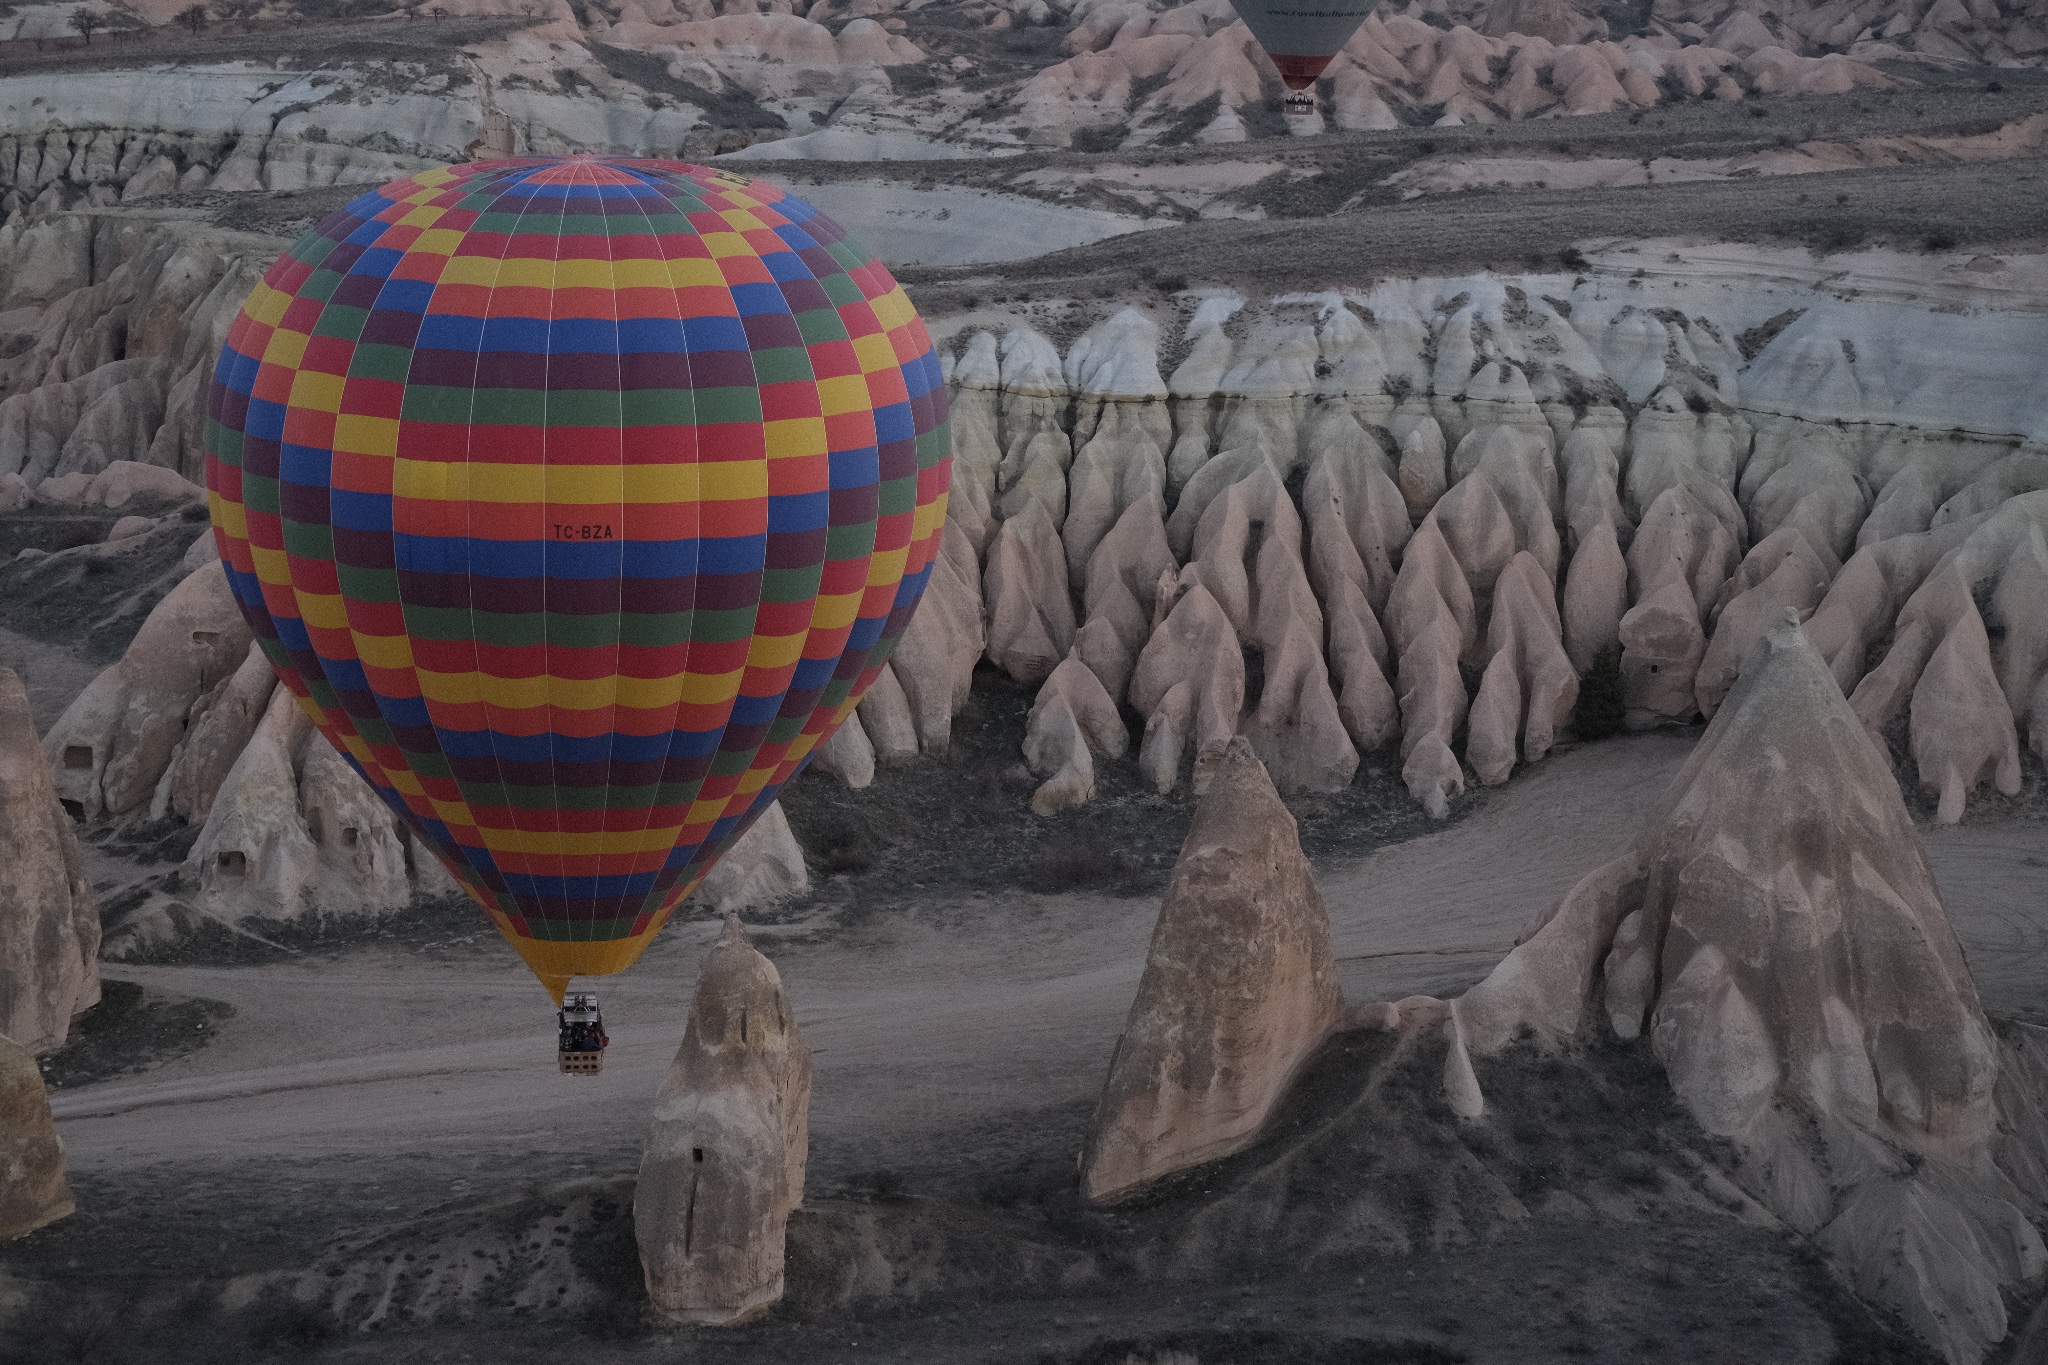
x=945, y=1041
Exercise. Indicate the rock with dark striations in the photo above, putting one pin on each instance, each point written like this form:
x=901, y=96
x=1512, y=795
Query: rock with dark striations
x=1240, y=985
x=32, y=1188
x=724, y=1166
x=49, y=924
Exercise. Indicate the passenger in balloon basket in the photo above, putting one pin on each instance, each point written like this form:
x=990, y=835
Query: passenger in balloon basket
x=582, y=1039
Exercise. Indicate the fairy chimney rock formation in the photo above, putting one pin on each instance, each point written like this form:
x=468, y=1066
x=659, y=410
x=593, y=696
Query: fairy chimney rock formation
x=32, y=1188
x=1240, y=985
x=764, y=865
x=49, y=924
x=724, y=1165
x=1777, y=934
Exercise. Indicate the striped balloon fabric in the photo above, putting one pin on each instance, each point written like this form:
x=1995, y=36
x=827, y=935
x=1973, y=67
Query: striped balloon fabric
x=577, y=500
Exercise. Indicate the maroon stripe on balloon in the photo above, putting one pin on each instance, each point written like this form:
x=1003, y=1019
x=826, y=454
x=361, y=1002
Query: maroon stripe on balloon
x=1299, y=73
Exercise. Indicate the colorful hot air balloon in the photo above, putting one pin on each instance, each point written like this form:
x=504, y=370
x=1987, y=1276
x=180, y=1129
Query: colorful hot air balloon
x=577, y=500
x=1301, y=36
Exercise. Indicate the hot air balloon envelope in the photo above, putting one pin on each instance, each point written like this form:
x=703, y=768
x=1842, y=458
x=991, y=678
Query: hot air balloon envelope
x=577, y=500
x=1301, y=36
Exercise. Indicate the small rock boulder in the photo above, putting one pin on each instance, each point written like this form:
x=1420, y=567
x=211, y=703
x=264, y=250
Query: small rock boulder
x=32, y=1188
x=724, y=1165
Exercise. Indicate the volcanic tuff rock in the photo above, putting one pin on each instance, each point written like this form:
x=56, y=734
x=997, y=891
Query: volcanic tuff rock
x=1143, y=70
x=1776, y=933
x=1072, y=721
x=1240, y=985
x=33, y=1191
x=1681, y=467
x=49, y=925
x=112, y=745
x=835, y=80
x=763, y=866
x=726, y=1146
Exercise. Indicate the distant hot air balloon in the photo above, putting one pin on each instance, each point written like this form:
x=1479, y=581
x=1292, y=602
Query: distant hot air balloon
x=1302, y=36
x=577, y=500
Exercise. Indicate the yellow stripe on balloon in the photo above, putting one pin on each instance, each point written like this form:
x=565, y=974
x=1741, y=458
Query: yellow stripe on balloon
x=874, y=353
x=266, y=305
x=286, y=348
x=438, y=241
x=573, y=844
x=316, y=391
x=887, y=567
x=386, y=651
x=776, y=651
x=452, y=812
x=556, y=963
x=794, y=436
x=272, y=566
x=356, y=434
x=326, y=610
x=836, y=611
x=580, y=694
x=231, y=517
x=893, y=309
x=844, y=393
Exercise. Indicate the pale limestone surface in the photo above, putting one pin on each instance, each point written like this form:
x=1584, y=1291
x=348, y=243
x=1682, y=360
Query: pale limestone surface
x=1240, y=985
x=726, y=1146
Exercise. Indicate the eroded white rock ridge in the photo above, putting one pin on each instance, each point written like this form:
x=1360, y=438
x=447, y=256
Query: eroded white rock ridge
x=1419, y=514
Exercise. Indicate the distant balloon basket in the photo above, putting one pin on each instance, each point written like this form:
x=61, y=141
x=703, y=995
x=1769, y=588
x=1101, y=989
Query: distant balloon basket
x=578, y=500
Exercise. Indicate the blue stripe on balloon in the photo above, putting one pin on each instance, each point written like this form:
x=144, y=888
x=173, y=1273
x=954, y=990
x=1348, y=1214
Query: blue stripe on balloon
x=556, y=558
x=265, y=421
x=714, y=334
x=799, y=511
x=309, y=466
x=894, y=422
x=759, y=300
x=402, y=296
x=859, y=468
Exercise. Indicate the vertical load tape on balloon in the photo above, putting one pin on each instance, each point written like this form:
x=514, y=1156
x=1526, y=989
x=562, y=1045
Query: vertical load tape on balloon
x=577, y=500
